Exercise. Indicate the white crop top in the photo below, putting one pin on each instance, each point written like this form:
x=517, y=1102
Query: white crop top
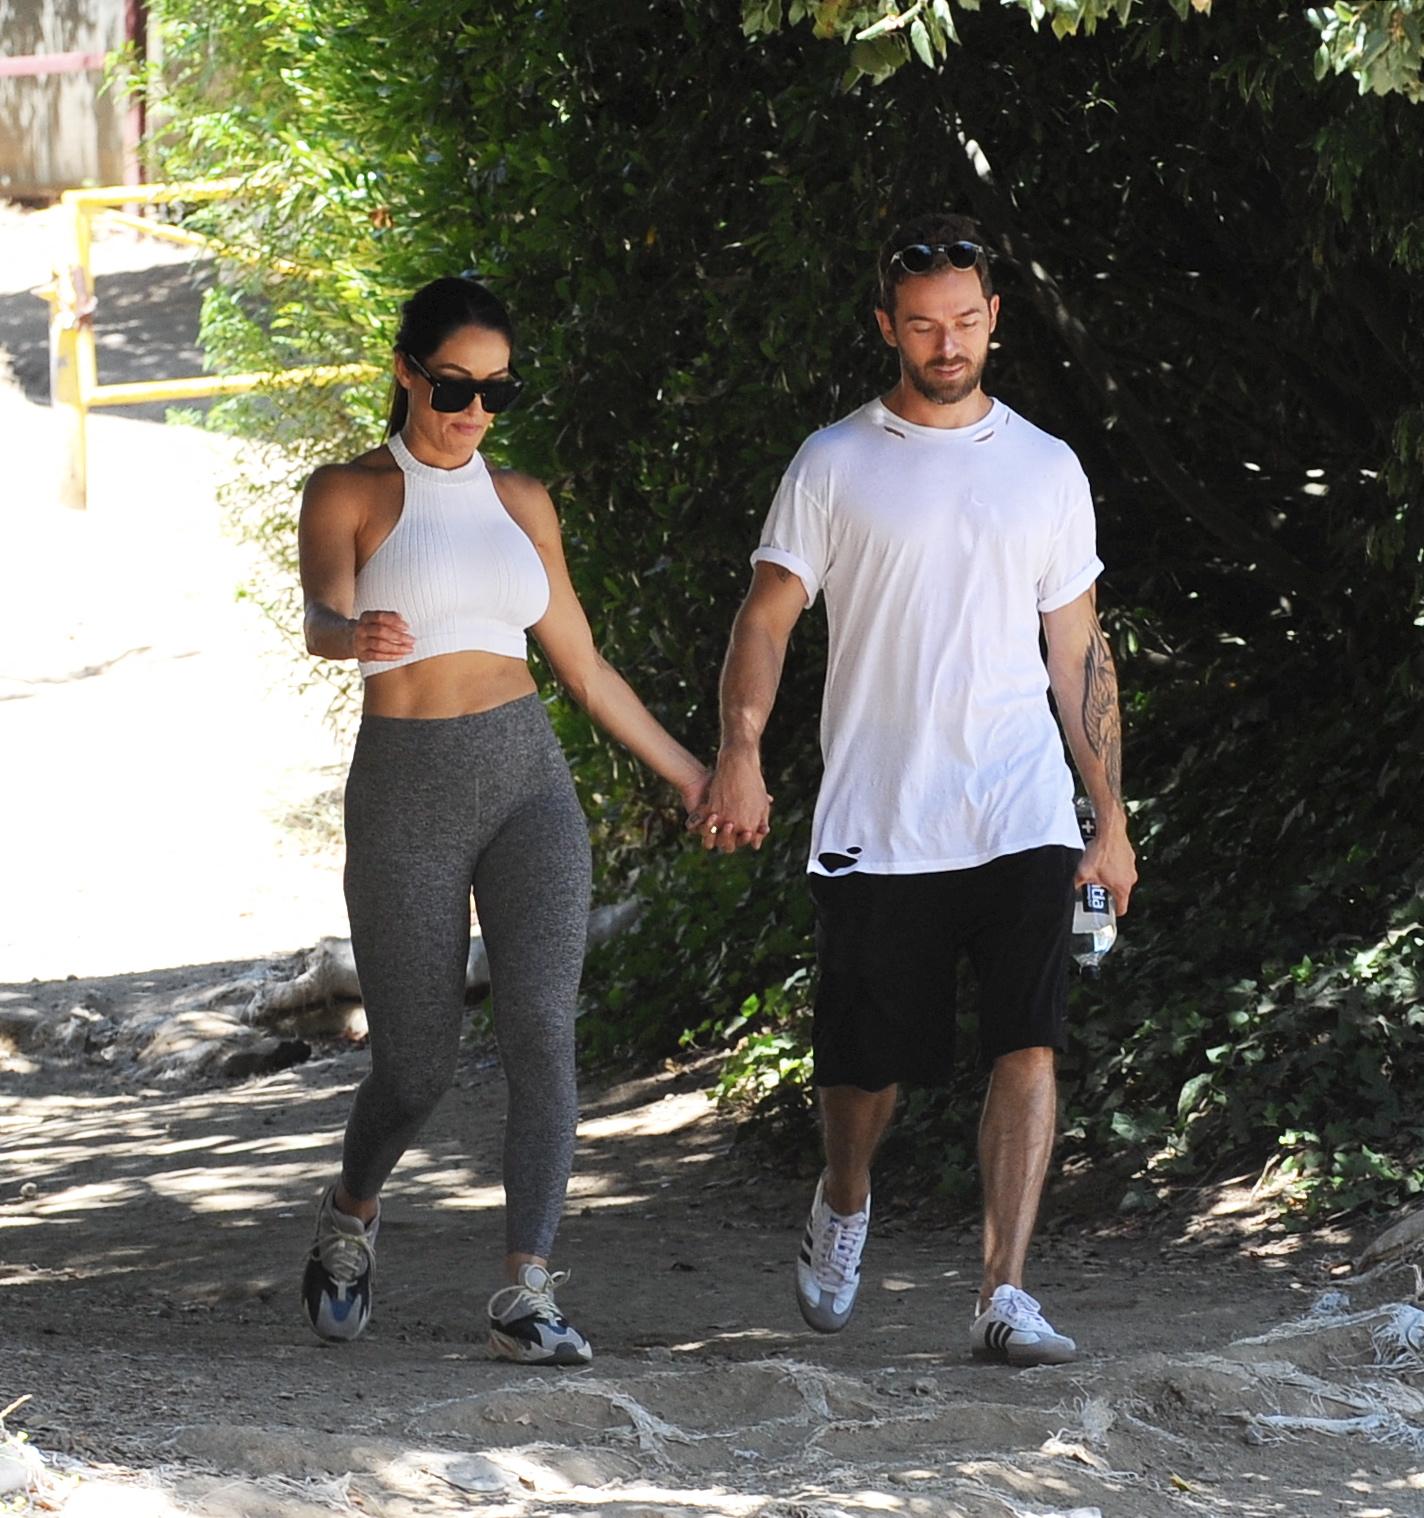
x=456, y=566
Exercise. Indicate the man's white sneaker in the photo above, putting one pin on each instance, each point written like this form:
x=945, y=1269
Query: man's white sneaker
x=1013, y=1331
x=828, y=1267
x=527, y=1326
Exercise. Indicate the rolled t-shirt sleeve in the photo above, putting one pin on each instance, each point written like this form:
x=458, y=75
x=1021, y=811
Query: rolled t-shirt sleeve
x=1073, y=562
x=797, y=532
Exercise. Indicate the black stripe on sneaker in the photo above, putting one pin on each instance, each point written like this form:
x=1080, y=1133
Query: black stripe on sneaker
x=997, y=1335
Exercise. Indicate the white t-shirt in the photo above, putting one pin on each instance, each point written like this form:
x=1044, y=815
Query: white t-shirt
x=937, y=550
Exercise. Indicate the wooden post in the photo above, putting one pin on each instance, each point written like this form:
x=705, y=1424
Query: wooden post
x=135, y=124
x=74, y=386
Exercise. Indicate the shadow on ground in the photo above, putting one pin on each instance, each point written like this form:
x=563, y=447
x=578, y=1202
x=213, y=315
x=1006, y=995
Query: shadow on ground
x=146, y=328
x=152, y=1240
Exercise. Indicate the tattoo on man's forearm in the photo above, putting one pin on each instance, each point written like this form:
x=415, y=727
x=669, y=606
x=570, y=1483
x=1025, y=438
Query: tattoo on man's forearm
x=1102, y=723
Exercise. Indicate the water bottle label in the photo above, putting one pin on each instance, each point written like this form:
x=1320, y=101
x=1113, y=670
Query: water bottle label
x=1095, y=897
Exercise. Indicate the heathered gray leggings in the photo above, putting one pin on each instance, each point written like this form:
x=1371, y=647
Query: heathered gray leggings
x=434, y=807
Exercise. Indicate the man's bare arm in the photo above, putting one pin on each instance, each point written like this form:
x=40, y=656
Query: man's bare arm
x=1084, y=683
x=1101, y=720
x=738, y=807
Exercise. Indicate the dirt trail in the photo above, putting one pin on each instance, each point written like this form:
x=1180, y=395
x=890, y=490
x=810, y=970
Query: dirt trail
x=148, y=1303
x=152, y=1225
x=151, y=732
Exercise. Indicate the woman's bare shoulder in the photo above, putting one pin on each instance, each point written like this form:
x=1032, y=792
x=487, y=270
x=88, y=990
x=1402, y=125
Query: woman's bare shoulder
x=515, y=482
x=522, y=494
x=355, y=479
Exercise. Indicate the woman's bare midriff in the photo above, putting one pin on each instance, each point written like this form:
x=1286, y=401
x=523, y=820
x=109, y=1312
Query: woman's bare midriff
x=449, y=685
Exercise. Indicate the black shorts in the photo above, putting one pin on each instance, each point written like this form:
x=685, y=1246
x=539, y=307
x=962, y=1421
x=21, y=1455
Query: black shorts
x=889, y=946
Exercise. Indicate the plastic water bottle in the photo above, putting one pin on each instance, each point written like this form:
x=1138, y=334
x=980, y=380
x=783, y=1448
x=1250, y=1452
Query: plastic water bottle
x=1094, y=915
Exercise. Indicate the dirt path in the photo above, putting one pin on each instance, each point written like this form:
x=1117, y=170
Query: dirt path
x=148, y=1304
x=152, y=736
x=152, y=1224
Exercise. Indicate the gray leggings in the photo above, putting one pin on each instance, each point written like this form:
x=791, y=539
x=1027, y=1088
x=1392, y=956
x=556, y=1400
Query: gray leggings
x=434, y=807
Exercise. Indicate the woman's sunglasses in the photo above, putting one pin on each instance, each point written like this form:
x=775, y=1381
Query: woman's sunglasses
x=921, y=257
x=456, y=394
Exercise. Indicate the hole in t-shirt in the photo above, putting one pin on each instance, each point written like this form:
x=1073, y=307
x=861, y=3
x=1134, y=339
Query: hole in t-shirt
x=892, y=431
x=985, y=436
x=832, y=862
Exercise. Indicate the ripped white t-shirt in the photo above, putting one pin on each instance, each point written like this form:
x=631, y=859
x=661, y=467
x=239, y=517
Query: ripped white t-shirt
x=937, y=550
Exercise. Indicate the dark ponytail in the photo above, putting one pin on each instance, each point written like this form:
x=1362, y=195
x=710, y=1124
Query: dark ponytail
x=430, y=316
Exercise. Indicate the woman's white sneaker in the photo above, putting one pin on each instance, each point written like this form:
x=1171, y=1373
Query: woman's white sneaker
x=526, y=1325
x=828, y=1266
x=1013, y=1331
x=339, y=1271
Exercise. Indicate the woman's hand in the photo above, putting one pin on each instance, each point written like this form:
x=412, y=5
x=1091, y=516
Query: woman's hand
x=694, y=798
x=377, y=637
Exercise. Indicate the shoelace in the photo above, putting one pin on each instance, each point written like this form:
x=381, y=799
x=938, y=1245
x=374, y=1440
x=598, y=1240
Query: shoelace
x=839, y=1254
x=344, y=1256
x=1024, y=1311
x=539, y=1300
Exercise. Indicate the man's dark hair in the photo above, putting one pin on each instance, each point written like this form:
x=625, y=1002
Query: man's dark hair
x=939, y=228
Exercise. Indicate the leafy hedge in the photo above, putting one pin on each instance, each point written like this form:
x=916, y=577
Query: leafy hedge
x=1210, y=289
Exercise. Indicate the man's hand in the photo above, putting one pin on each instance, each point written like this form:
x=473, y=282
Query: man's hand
x=737, y=810
x=1108, y=860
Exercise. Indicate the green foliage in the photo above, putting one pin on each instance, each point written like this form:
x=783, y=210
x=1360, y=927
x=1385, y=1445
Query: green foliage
x=1210, y=269
x=1304, y=1034
x=773, y=1061
x=1378, y=42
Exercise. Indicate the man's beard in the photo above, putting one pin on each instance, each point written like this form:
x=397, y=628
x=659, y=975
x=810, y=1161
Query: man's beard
x=941, y=391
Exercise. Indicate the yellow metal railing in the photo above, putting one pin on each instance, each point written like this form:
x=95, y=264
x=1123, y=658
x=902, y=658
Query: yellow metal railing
x=74, y=386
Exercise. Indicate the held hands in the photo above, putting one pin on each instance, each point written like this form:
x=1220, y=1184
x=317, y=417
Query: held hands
x=1108, y=860
x=694, y=796
x=735, y=811
x=380, y=636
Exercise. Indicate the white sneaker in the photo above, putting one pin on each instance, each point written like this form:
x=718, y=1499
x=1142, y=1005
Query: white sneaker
x=1013, y=1331
x=828, y=1267
x=527, y=1326
x=340, y=1271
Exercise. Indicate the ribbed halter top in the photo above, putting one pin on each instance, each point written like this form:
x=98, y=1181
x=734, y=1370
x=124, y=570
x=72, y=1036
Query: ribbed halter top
x=456, y=566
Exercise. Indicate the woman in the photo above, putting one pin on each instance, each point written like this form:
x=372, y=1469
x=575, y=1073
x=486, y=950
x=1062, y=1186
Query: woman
x=427, y=567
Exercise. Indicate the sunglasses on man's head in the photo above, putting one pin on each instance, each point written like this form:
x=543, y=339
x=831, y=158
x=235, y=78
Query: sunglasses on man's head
x=921, y=257
x=456, y=394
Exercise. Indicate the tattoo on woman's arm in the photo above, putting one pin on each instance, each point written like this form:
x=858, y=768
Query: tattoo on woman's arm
x=1102, y=723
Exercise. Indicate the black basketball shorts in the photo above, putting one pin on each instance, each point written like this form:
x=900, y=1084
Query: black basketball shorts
x=888, y=948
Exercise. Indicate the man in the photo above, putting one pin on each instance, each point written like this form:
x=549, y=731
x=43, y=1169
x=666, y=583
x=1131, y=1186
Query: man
x=946, y=531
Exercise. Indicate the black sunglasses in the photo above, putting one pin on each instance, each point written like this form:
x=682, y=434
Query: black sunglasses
x=456, y=394
x=921, y=257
